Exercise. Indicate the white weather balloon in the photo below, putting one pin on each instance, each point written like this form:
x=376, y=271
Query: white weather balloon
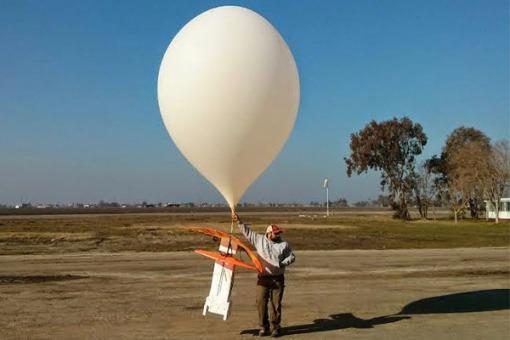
x=228, y=91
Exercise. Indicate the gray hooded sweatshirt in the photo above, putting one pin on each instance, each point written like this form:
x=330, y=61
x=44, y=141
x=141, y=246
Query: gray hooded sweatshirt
x=275, y=256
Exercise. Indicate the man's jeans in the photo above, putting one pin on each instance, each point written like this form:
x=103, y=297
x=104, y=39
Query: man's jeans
x=269, y=294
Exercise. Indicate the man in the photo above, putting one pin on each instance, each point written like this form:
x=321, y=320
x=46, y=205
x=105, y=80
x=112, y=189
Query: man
x=275, y=254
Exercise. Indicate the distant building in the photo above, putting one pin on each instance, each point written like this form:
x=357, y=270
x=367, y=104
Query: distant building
x=504, y=206
x=23, y=205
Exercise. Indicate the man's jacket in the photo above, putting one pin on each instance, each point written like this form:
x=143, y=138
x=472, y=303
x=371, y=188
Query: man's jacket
x=275, y=256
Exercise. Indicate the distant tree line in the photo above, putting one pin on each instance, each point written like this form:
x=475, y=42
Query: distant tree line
x=382, y=201
x=468, y=171
x=339, y=203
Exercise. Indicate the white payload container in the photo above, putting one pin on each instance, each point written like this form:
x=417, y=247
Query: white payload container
x=218, y=301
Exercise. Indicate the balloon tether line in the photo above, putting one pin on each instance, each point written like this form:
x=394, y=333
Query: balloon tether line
x=231, y=231
x=232, y=224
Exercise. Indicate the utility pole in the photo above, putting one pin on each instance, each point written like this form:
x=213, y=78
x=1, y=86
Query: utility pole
x=326, y=186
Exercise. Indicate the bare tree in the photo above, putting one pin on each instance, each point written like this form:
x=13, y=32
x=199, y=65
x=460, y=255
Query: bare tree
x=424, y=189
x=467, y=173
x=499, y=174
x=464, y=147
x=455, y=143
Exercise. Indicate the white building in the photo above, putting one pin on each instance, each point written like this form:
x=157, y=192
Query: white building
x=504, y=206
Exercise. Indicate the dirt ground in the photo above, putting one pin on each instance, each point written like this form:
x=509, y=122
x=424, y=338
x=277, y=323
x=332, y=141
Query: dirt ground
x=343, y=294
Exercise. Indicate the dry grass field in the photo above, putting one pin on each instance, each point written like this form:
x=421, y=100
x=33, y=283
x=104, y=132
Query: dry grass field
x=51, y=234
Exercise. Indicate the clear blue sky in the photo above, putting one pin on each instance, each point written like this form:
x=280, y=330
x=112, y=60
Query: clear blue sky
x=79, y=119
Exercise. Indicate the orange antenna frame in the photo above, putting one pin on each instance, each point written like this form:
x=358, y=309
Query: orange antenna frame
x=225, y=258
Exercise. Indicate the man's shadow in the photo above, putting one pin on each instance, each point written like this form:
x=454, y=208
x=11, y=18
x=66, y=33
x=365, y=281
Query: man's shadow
x=476, y=301
x=335, y=321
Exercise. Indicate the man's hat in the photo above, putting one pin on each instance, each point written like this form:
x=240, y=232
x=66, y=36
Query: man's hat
x=274, y=229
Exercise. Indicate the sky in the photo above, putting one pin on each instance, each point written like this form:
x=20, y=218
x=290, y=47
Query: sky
x=79, y=118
